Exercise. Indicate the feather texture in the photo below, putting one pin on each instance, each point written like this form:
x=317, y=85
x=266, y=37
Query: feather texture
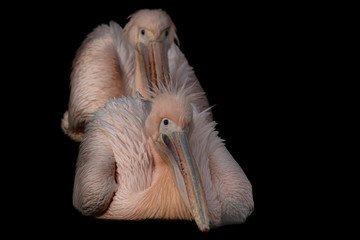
x=94, y=79
x=119, y=172
x=227, y=189
x=105, y=66
x=117, y=168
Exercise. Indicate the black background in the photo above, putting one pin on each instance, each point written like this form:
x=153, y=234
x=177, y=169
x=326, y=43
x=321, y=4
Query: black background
x=249, y=58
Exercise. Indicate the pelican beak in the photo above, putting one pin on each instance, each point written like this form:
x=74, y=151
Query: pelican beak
x=186, y=174
x=154, y=62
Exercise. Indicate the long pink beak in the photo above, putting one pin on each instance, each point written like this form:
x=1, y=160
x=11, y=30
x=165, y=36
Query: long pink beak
x=155, y=64
x=187, y=177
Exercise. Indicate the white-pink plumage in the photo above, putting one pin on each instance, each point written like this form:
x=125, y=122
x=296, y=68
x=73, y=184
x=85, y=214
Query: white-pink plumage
x=150, y=149
x=112, y=62
x=127, y=169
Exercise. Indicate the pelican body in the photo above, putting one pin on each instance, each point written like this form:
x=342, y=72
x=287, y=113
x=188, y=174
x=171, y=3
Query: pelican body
x=113, y=61
x=161, y=159
x=148, y=148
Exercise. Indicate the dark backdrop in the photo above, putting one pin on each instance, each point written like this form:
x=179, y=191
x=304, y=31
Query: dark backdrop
x=247, y=59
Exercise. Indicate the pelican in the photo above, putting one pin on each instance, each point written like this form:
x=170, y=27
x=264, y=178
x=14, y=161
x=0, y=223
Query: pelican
x=112, y=62
x=159, y=158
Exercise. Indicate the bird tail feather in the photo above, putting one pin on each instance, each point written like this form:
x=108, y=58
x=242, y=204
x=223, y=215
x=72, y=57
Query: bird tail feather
x=76, y=136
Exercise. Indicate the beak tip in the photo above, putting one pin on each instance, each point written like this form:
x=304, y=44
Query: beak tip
x=204, y=227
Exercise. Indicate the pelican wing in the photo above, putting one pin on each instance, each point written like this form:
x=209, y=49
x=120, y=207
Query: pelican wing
x=94, y=184
x=228, y=191
x=114, y=148
x=95, y=78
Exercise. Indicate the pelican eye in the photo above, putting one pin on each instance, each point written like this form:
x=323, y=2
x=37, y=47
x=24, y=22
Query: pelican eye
x=142, y=32
x=166, y=122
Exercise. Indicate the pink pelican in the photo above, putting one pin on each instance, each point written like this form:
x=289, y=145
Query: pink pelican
x=159, y=158
x=112, y=62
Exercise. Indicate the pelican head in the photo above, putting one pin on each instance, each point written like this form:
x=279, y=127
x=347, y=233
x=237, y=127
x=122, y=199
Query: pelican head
x=168, y=126
x=151, y=33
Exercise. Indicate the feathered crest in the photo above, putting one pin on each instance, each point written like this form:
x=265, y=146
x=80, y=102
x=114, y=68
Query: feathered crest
x=174, y=87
